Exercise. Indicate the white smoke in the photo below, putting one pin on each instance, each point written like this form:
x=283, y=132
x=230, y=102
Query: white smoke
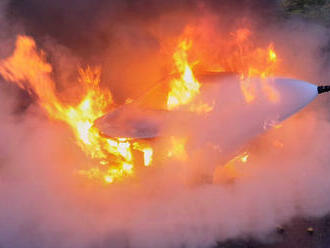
x=44, y=203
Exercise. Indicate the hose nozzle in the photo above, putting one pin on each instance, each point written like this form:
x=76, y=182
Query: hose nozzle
x=323, y=89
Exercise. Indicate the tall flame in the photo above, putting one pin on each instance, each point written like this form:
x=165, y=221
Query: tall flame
x=185, y=88
x=114, y=156
x=260, y=62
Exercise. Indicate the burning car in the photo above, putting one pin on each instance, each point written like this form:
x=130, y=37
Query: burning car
x=227, y=110
x=220, y=106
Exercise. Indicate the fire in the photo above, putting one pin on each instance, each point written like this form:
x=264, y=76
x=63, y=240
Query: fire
x=177, y=148
x=272, y=55
x=244, y=157
x=265, y=62
x=147, y=152
x=239, y=55
x=114, y=156
x=185, y=88
x=241, y=158
x=147, y=156
x=231, y=171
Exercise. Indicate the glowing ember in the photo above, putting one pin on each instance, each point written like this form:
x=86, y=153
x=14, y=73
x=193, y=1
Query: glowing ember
x=231, y=171
x=244, y=157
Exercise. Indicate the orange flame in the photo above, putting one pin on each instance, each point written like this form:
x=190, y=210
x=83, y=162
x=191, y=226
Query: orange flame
x=185, y=88
x=231, y=171
x=177, y=148
x=27, y=64
x=244, y=157
x=265, y=62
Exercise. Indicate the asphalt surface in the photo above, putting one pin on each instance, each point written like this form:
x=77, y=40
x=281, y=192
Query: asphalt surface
x=299, y=233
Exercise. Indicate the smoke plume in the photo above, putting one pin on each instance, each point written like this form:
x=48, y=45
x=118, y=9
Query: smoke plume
x=46, y=203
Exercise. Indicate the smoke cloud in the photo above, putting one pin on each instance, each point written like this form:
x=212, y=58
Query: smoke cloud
x=45, y=203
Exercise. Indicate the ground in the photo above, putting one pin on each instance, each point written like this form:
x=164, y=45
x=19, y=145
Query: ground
x=299, y=233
